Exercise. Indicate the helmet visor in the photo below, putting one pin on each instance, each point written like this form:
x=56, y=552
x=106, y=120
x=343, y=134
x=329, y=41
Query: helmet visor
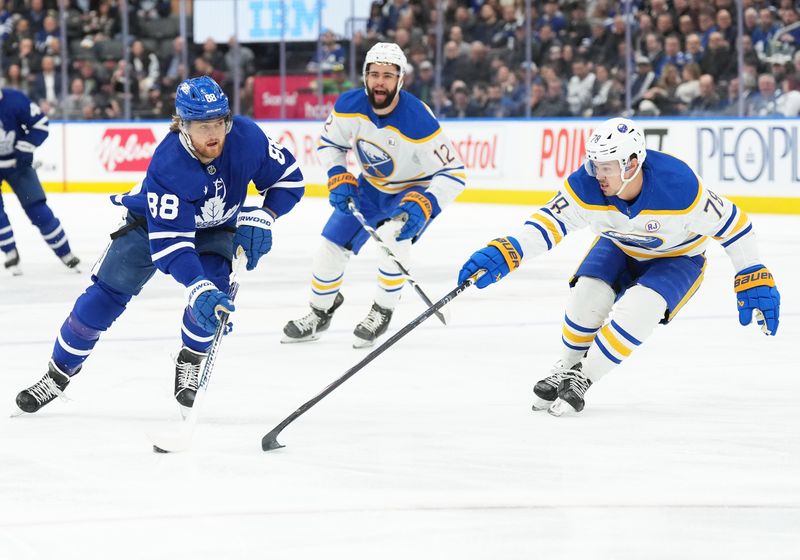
x=601, y=169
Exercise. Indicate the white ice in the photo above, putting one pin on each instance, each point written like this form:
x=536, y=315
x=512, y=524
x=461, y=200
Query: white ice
x=689, y=450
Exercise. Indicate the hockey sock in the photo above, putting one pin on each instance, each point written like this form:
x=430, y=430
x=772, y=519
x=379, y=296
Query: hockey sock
x=390, y=279
x=589, y=303
x=193, y=336
x=42, y=217
x=327, y=271
x=93, y=313
x=7, y=243
x=635, y=317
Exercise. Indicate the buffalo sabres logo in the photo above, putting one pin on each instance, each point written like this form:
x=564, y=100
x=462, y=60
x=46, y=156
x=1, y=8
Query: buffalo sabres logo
x=622, y=127
x=635, y=239
x=374, y=160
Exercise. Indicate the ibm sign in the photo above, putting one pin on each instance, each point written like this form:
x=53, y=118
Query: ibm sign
x=260, y=21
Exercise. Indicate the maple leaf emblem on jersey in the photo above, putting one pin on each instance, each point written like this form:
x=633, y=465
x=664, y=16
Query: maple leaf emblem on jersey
x=213, y=212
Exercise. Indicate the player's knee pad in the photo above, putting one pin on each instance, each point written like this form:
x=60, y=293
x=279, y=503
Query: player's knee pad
x=639, y=310
x=590, y=302
x=41, y=216
x=99, y=306
x=330, y=260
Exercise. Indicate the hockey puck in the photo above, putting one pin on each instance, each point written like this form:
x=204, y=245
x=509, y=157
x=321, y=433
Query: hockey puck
x=157, y=449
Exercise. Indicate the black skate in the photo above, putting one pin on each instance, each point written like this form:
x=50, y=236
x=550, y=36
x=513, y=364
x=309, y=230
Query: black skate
x=71, y=261
x=374, y=324
x=308, y=328
x=12, y=262
x=570, y=394
x=49, y=387
x=546, y=390
x=187, y=376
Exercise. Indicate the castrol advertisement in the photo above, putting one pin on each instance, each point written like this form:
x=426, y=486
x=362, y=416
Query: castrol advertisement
x=752, y=158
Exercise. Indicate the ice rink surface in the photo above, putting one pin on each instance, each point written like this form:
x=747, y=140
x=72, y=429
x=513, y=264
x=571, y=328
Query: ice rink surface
x=689, y=450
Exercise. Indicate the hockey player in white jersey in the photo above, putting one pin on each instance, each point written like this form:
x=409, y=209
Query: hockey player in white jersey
x=409, y=171
x=186, y=219
x=653, y=218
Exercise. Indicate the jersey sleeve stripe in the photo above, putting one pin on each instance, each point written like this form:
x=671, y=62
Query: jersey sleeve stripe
x=447, y=175
x=583, y=204
x=543, y=232
x=734, y=212
x=331, y=144
x=557, y=236
x=171, y=249
x=170, y=234
x=741, y=234
x=556, y=220
x=288, y=185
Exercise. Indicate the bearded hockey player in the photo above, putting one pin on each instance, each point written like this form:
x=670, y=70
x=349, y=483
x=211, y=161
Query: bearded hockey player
x=409, y=174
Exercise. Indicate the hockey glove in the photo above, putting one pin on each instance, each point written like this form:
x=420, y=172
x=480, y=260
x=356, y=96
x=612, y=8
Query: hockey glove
x=756, y=294
x=500, y=257
x=253, y=234
x=343, y=188
x=206, y=302
x=23, y=152
x=419, y=208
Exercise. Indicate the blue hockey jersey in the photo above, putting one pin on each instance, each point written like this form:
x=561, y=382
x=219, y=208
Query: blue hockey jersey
x=23, y=126
x=180, y=194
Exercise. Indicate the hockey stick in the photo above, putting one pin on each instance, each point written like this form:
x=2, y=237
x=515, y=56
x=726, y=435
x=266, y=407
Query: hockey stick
x=374, y=234
x=270, y=441
x=180, y=438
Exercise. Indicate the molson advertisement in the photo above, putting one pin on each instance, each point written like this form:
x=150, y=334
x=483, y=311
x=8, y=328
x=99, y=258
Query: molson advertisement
x=755, y=161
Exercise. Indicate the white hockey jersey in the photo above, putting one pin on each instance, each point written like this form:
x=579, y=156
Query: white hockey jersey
x=674, y=215
x=406, y=148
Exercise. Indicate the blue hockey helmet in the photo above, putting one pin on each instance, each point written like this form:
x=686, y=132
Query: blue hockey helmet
x=201, y=99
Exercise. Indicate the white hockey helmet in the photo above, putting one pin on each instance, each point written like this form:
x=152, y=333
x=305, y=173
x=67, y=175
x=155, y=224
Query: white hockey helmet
x=615, y=140
x=386, y=53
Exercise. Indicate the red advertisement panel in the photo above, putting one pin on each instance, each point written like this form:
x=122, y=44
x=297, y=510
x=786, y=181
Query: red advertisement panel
x=301, y=100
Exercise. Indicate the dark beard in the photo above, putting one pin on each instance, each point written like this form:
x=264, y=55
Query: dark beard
x=390, y=95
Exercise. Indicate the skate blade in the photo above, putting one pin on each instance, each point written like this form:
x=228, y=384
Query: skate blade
x=539, y=404
x=561, y=407
x=290, y=340
x=361, y=343
x=184, y=410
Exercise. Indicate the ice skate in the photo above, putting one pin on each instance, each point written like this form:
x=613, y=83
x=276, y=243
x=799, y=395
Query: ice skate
x=374, y=324
x=570, y=394
x=546, y=390
x=71, y=261
x=49, y=387
x=308, y=328
x=12, y=263
x=187, y=376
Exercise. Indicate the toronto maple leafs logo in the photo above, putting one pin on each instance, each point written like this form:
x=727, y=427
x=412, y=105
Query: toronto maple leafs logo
x=213, y=212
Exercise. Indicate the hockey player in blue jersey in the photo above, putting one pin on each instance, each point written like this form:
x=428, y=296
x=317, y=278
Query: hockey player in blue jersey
x=653, y=218
x=23, y=127
x=409, y=170
x=185, y=219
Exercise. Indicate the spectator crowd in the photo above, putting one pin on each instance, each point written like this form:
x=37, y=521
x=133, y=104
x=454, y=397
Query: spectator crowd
x=684, y=58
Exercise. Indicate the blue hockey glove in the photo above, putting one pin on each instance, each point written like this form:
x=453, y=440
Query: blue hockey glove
x=756, y=294
x=501, y=256
x=419, y=208
x=23, y=152
x=253, y=234
x=206, y=302
x=343, y=188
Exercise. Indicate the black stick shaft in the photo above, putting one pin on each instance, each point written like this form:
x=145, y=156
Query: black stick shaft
x=374, y=234
x=270, y=441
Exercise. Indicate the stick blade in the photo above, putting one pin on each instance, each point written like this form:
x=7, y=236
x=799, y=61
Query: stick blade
x=270, y=441
x=171, y=441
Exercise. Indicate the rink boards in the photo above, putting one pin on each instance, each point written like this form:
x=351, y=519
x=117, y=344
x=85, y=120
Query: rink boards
x=753, y=161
